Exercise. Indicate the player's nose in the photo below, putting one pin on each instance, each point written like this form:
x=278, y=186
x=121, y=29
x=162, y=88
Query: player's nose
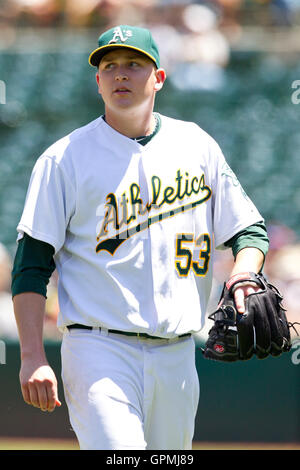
x=121, y=75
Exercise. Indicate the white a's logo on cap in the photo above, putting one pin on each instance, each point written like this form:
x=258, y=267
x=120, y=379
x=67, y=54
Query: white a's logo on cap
x=120, y=35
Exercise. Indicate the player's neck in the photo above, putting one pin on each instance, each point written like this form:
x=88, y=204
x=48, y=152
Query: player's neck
x=133, y=126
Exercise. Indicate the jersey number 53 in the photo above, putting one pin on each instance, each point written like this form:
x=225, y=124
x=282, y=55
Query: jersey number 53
x=186, y=247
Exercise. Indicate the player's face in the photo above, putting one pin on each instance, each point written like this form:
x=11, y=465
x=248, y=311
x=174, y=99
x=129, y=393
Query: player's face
x=127, y=79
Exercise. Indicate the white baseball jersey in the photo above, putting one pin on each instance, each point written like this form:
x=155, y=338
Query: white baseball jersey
x=133, y=226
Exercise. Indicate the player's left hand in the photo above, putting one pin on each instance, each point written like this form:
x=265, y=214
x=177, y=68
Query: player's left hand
x=241, y=293
x=250, y=319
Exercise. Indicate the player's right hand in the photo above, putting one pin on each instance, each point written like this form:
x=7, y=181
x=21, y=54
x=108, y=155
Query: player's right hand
x=39, y=385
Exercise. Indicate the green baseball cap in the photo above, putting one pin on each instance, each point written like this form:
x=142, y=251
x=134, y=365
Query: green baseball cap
x=133, y=37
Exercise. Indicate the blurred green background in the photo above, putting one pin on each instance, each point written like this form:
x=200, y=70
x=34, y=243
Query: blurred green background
x=233, y=67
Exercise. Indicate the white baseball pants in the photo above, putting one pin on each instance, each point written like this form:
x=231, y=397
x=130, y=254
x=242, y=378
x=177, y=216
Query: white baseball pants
x=126, y=393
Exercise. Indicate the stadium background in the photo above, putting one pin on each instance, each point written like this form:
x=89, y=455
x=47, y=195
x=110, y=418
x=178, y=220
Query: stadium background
x=233, y=67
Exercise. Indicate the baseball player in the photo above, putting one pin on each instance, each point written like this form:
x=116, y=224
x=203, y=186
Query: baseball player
x=129, y=209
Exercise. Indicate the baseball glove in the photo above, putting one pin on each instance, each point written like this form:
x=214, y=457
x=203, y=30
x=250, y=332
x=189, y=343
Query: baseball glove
x=262, y=330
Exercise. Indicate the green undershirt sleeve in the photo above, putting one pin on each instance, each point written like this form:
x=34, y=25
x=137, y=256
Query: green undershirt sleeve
x=33, y=266
x=254, y=236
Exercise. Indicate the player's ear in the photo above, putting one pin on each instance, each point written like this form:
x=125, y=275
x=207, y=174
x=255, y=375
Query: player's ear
x=161, y=76
x=98, y=82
